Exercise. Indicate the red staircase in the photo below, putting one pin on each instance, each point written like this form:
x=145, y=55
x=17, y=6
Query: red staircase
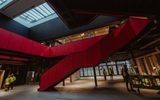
x=93, y=53
x=15, y=43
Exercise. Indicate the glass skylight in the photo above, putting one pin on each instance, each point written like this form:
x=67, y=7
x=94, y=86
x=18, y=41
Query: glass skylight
x=37, y=15
x=3, y=3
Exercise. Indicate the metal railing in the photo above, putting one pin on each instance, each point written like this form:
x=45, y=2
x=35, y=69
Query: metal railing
x=145, y=81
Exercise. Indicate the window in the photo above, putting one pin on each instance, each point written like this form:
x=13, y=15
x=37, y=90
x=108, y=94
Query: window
x=37, y=15
x=4, y=3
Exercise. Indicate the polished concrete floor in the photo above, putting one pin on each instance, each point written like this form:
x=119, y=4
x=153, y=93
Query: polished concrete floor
x=83, y=89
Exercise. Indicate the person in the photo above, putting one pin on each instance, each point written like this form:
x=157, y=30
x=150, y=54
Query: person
x=12, y=81
x=157, y=71
x=123, y=74
x=7, y=83
x=126, y=77
x=110, y=71
x=105, y=74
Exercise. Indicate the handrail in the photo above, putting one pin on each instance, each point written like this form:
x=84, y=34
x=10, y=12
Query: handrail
x=145, y=81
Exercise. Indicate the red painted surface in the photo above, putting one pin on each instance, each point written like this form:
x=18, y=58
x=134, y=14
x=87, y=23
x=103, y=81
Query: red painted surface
x=12, y=58
x=94, y=54
x=84, y=53
x=13, y=42
x=73, y=47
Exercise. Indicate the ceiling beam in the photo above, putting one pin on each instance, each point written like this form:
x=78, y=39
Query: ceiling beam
x=71, y=19
x=114, y=7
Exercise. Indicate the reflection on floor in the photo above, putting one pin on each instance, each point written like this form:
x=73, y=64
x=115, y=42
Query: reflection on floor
x=83, y=89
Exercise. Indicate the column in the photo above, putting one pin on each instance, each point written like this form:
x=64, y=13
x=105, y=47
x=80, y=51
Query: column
x=64, y=82
x=117, y=67
x=95, y=77
x=139, y=68
x=146, y=65
x=99, y=70
x=71, y=79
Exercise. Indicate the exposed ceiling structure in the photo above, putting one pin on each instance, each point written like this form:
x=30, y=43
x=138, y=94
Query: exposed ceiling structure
x=72, y=11
x=36, y=15
x=57, y=29
x=85, y=35
x=77, y=16
x=29, y=13
x=76, y=13
x=17, y=7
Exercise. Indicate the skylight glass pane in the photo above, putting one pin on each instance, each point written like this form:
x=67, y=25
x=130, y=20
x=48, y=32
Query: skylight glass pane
x=34, y=14
x=37, y=15
x=49, y=9
x=28, y=19
x=3, y=3
x=45, y=10
x=41, y=11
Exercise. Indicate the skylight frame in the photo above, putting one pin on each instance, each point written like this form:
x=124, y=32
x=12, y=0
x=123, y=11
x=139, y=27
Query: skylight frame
x=4, y=3
x=36, y=15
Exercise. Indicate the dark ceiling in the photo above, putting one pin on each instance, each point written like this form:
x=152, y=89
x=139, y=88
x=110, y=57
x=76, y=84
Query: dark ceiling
x=76, y=16
x=53, y=28
x=56, y=28
x=118, y=8
x=77, y=12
